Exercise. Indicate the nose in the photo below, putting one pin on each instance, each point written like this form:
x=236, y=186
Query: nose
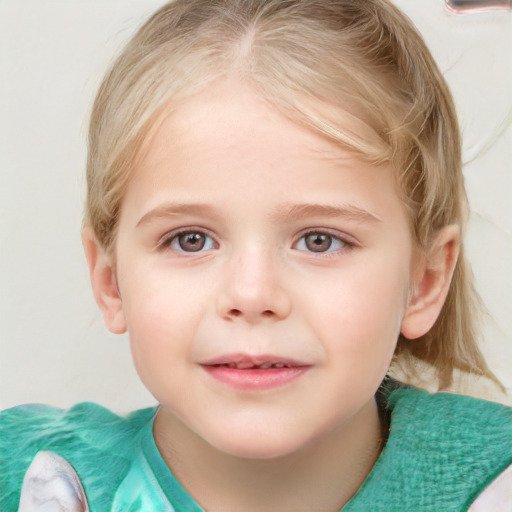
x=253, y=289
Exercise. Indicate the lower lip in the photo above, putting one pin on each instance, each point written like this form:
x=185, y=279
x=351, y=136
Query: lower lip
x=252, y=379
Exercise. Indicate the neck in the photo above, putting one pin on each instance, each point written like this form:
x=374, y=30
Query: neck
x=322, y=476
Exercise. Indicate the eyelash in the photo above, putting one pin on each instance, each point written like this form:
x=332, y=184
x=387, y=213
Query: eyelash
x=171, y=241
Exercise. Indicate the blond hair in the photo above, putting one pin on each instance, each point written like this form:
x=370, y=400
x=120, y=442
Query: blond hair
x=355, y=70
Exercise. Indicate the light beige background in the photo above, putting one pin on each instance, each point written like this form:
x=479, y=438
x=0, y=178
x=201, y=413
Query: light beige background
x=53, y=346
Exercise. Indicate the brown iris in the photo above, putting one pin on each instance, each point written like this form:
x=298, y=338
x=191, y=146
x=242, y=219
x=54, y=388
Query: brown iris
x=191, y=242
x=317, y=242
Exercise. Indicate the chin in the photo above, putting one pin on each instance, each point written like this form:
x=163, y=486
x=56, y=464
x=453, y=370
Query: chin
x=258, y=445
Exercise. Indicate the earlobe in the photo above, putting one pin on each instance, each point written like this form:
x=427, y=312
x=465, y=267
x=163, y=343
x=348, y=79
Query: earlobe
x=104, y=282
x=431, y=282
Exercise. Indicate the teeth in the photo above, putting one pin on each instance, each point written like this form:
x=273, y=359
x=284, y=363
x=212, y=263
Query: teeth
x=245, y=366
x=249, y=366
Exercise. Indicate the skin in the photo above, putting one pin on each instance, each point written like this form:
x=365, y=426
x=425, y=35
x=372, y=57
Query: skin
x=251, y=185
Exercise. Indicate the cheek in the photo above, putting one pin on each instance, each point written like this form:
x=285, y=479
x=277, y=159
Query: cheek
x=160, y=295
x=161, y=330
x=162, y=314
x=359, y=313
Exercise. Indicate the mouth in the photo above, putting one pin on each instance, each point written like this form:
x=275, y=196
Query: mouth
x=254, y=362
x=254, y=372
x=251, y=366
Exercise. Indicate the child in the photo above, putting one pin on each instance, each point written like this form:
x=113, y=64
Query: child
x=274, y=214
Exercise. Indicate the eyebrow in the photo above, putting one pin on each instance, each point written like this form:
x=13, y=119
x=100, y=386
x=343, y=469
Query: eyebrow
x=346, y=211
x=171, y=209
x=288, y=213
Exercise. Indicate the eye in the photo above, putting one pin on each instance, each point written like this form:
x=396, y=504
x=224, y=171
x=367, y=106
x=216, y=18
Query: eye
x=190, y=241
x=318, y=242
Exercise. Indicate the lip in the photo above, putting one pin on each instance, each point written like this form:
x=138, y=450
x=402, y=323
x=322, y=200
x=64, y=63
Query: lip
x=245, y=372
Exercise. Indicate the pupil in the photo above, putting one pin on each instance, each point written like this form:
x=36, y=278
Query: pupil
x=192, y=242
x=318, y=243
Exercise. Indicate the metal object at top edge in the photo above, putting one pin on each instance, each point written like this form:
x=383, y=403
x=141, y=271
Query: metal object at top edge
x=466, y=6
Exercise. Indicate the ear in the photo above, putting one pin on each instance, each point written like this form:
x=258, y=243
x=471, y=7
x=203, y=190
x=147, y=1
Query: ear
x=431, y=282
x=104, y=282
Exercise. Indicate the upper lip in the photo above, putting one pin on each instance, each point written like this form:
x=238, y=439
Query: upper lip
x=245, y=361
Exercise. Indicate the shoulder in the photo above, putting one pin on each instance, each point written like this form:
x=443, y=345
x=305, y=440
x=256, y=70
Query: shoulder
x=462, y=421
x=95, y=441
x=443, y=450
x=460, y=444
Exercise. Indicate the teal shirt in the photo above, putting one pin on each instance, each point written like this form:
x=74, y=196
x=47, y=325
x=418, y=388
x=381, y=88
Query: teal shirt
x=442, y=451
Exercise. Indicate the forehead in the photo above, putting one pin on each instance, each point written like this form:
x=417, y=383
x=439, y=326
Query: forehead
x=229, y=141
x=231, y=118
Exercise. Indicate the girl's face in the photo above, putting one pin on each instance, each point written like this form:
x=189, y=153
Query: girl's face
x=263, y=273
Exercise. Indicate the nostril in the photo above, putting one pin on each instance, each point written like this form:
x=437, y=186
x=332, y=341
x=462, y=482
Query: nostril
x=236, y=313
